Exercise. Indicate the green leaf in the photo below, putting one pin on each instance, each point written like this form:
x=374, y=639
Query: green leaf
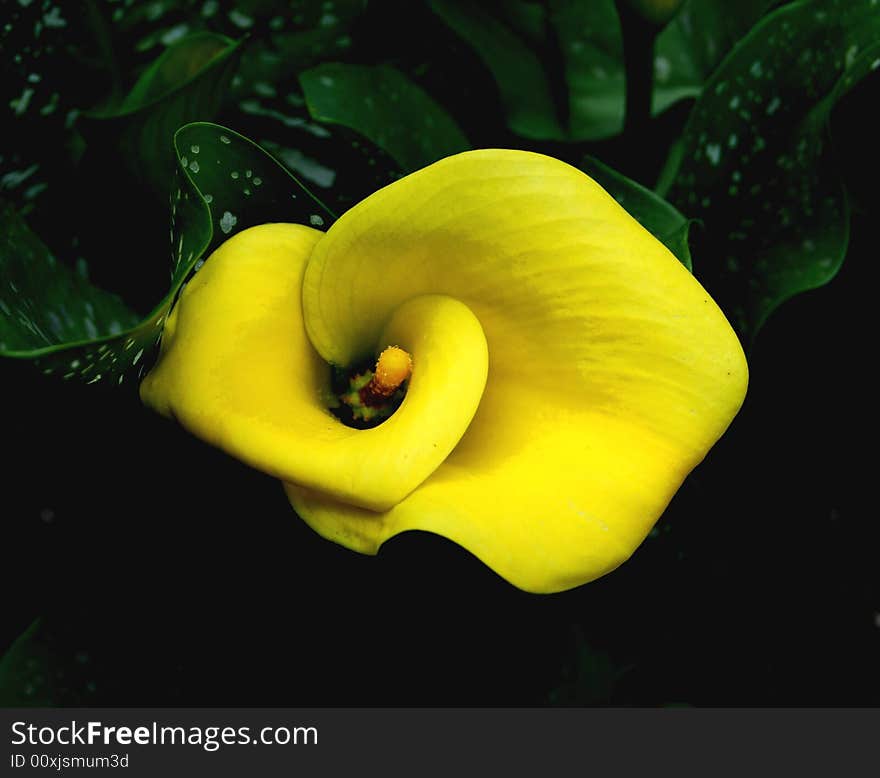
x=692, y=45
x=656, y=215
x=755, y=166
x=572, y=49
x=592, y=47
x=31, y=675
x=586, y=39
x=383, y=105
x=186, y=83
x=225, y=183
x=44, y=302
x=23, y=676
x=517, y=70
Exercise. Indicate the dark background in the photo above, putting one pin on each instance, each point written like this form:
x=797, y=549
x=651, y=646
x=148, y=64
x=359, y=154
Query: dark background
x=166, y=573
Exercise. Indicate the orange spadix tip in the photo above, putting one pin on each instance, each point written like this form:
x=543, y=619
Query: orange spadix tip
x=393, y=368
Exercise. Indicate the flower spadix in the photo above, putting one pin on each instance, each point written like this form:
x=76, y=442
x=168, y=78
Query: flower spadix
x=567, y=372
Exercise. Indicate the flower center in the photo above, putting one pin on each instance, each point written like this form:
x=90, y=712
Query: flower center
x=373, y=395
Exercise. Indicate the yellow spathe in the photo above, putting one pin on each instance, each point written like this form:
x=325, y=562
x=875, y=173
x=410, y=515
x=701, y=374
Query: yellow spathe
x=608, y=370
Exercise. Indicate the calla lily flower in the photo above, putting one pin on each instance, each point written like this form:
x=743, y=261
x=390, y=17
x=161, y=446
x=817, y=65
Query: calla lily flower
x=567, y=371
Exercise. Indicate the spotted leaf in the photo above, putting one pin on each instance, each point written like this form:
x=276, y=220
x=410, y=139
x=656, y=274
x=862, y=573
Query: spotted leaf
x=49, y=313
x=186, y=83
x=383, y=105
x=755, y=164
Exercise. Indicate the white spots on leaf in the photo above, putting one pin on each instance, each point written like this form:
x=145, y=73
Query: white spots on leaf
x=227, y=222
x=20, y=104
x=15, y=177
x=713, y=153
x=315, y=220
x=194, y=149
x=194, y=166
x=240, y=20
x=734, y=102
x=662, y=68
x=254, y=107
x=209, y=198
x=757, y=69
x=773, y=106
x=176, y=33
x=851, y=54
x=257, y=180
x=732, y=140
x=307, y=167
x=224, y=139
x=49, y=108
x=53, y=19
x=875, y=64
x=264, y=89
x=326, y=81
x=234, y=174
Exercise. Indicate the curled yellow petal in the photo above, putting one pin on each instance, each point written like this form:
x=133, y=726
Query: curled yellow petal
x=567, y=371
x=612, y=372
x=237, y=369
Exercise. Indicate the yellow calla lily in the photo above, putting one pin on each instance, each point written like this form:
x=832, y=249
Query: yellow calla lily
x=567, y=371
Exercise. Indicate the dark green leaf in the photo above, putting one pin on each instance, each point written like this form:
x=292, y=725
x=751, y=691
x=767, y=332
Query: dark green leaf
x=292, y=40
x=32, y=674
x=44, y=302
x=225, y=183
x=592, y=48
x=692, y=45
x=651, y=211
x=518, y=72
x=188, y=82
x=573, y=49
x=755, y=167
x=383, y=105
